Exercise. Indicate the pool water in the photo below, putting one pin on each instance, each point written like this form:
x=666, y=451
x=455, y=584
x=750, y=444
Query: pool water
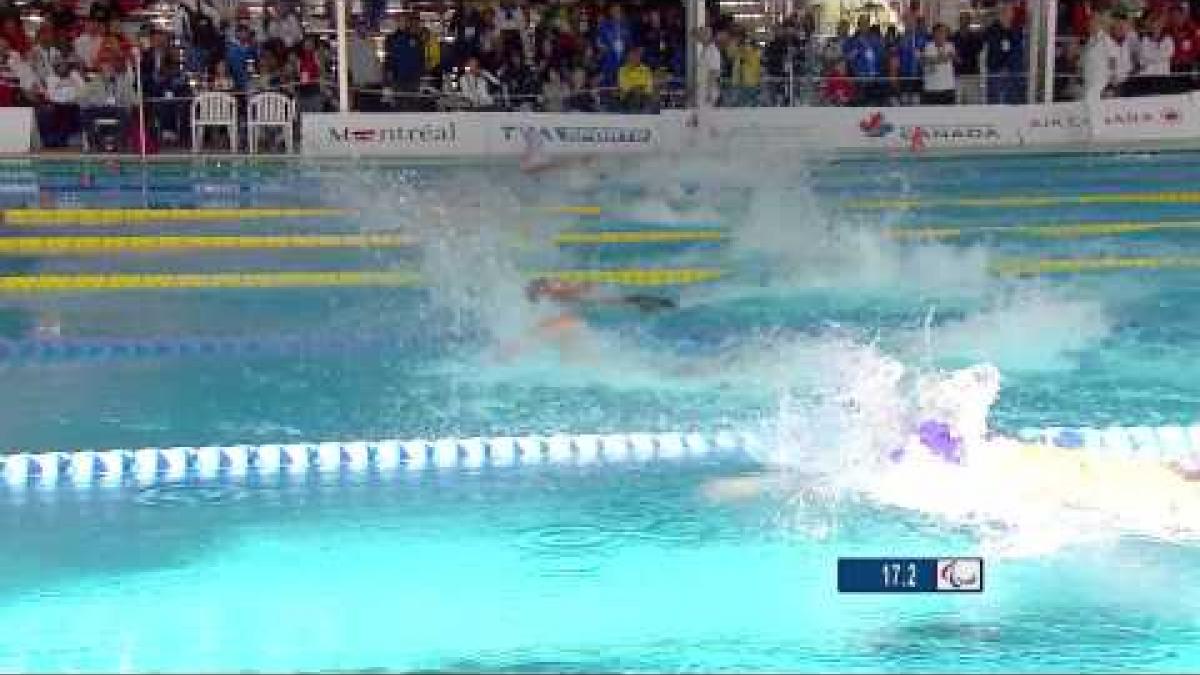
x=616, y=569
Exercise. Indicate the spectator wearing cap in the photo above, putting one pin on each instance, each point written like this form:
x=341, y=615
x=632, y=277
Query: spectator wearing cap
x=1005, y=44
x=635, y=83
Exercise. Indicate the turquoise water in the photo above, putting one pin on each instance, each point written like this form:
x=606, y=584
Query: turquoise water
x=614, y=570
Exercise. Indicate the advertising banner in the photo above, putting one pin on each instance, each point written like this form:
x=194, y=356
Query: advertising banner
x=570, y=134
x=1146, y=118
x=391, y=135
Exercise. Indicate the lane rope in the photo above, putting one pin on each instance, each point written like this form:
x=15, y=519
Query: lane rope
x=104, y=245
x=148, y=467
x=1025, y=267
x=1044, y=231
x=98, y=216
x=48, y=283
x=1018, y=201
x=74, y=349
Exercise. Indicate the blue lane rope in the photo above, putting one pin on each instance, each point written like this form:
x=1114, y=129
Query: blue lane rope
x=29, y=351
x=148, y=467
x=154, y=467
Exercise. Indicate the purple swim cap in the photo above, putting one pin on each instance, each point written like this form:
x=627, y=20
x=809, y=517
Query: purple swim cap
x=937, y=437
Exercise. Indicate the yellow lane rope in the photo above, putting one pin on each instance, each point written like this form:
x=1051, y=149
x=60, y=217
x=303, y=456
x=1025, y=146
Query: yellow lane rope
x=1032, y=201
x=573, y=210
x=75, y=245
x=639, y=237
x=114, y=282
x=1034, y=266
x=1046, y=231
x=48, y=217
x=628, y=277
x=87, y=245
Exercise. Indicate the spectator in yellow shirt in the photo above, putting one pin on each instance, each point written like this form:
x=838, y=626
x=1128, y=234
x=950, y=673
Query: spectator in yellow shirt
x=635, y=83
x=747, y=71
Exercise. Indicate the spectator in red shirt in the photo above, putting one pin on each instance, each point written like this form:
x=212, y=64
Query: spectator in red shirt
x=1187, y=47
x=1081, y=18
x=838, y=88
x=13, y=32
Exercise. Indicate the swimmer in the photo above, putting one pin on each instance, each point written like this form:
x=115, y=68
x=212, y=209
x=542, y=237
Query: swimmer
x=950, y=459
x=561, y=302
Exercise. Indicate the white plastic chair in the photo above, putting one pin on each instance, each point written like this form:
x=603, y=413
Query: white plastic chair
x=270, y=109
x=214, y=109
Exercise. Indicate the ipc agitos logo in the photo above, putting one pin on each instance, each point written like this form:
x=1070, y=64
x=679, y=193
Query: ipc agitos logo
x=960, y=574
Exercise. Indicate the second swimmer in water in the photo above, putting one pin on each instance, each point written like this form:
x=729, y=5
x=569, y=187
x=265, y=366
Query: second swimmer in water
x=562, y=301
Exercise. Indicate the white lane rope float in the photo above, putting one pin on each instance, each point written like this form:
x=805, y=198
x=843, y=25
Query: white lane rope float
x=152, y=467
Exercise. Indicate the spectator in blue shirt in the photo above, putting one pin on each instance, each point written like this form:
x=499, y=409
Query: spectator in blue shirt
x=405, y=59
x=1005, y=44
x=909, y=47
x=863, y=52
x=614, y=39
x=239, y=55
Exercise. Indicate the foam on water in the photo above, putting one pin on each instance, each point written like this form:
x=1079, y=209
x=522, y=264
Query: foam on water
x=1028, y=329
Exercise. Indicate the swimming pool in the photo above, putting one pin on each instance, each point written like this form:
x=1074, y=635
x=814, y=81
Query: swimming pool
x=576, y=567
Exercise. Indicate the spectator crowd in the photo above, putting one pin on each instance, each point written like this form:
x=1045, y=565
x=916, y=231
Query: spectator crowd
x=84, y=64
x=79, y=64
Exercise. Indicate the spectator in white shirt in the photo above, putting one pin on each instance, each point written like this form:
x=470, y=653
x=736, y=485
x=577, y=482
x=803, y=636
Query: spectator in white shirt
x=1154, y=59
x=708, y=76
x=1099, y=61
x=475, y=85
x=938, y=60
x=287, y=28
x=45, y=54
x=1126, y=42
x=87, y=45
x=366, y=71
x=58, y=113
